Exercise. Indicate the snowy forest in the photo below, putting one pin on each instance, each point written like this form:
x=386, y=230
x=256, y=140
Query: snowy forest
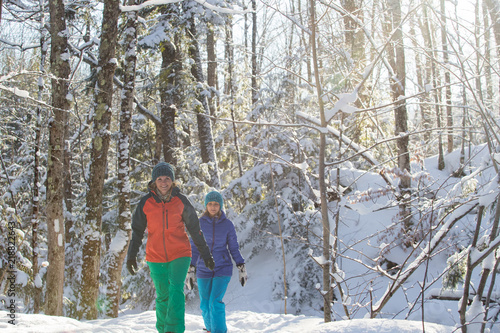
x=356, y=145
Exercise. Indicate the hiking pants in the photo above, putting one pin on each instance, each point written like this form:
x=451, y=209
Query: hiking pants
x=212, y=307
x=168, y=279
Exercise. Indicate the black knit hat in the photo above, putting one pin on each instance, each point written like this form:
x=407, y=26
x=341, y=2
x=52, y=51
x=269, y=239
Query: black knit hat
x=163, y=169
x=214, y=196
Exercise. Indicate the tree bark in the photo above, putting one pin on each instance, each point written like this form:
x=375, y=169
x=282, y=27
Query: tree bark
x=355, y=44
x=397, y=61
x=431, y=75
x=494, y=10
x=60, y=68
x=254, y=84
x=354, y=37
x=207, y=144
x=327, y=290
x=229, y=89
x=91, y=255
x=424, y=70
x=118, y=250
x=212, y=69
x=463, y=305
x=447, y=77
x=170, y=90
x=487, y=54
x=37, y=291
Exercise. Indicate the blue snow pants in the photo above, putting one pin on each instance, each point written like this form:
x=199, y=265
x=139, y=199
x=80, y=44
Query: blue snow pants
x=169, y=280
x=212, y=307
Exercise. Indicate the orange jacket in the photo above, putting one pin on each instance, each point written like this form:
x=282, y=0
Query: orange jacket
x=166, y=224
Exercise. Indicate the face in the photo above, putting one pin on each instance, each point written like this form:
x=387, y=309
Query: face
x=213, y=208
x=163, y=183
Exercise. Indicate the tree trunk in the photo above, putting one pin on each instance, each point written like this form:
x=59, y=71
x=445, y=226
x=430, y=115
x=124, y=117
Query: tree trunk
x=170, y=91
x=60, y=70
x=35, y=213
x=207, y=145
x=397, y=61
x=91, y=255
x=494, y=10
x=423, y=78
x=229, y=89
x=168, y=106
x=118, y=250
x=355, y=44
x=327, y=290
x=447, y=77
x=254, y=85
x=487, y=55
x=431, y=75
x=463, y=305
x=354, y=37
x=37, y=291
x=212, y=69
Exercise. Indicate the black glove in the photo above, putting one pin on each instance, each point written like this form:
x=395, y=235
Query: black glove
x=132, y=266
x=191, y=277
x=209, y=263
x=243, y=274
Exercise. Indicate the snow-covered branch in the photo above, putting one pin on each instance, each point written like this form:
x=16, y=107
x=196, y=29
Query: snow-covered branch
x=477, y=257
x=165, y=2
x=451, y=220
x=19, y=92
x=21, y=47
x=364, y=152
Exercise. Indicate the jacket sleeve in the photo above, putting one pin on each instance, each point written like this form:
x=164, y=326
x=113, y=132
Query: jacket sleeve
x=139, y=223
x=195, y=254
x=193, y=226
x=233, y=246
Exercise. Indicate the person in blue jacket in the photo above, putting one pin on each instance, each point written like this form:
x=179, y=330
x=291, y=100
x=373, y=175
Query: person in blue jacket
x=212, y=285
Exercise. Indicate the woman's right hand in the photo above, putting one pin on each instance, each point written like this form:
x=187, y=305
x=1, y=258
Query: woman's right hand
x=132, y=266
x=209, y=263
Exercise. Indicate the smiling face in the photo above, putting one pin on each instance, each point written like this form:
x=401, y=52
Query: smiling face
x=163, y=184
x=213, y=208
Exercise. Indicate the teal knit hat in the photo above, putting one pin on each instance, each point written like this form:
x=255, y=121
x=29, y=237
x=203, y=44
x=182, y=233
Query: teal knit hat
x=214, y=196
x=163, y=169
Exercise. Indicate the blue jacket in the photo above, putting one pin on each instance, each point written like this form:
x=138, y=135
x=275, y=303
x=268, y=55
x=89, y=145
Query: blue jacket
x=222, y=242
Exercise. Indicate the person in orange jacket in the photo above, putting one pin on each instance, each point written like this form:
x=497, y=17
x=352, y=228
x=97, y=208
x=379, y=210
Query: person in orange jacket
x=166, y=214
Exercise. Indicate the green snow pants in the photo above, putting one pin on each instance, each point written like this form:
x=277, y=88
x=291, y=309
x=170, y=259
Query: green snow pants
x=168, y=279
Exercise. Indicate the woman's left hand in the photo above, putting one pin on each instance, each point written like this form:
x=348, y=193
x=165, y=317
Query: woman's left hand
x=243, y=274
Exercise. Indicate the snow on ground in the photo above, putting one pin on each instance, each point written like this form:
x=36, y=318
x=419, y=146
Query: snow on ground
x=249, y=309
x=238, y=321
x=253, y=308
